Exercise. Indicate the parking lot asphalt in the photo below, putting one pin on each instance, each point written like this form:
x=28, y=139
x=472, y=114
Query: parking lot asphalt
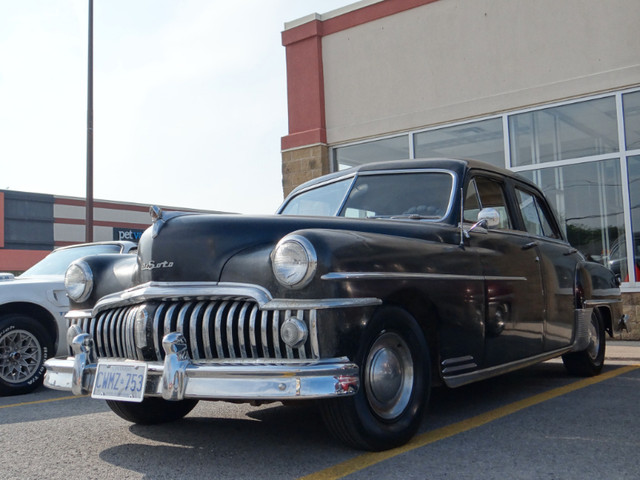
x=622, y=350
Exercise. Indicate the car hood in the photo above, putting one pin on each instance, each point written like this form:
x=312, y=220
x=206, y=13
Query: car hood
x=197, y=247
x=34, y=289
x=40, y=280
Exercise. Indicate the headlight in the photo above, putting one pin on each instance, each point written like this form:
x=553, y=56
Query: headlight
x=294, y=261
x=78, y=280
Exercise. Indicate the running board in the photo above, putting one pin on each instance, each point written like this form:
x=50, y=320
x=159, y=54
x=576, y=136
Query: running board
x=454, y=381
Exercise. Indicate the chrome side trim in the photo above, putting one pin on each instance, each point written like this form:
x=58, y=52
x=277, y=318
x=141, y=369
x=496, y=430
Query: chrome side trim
x=465, y=378
x=452, y=361
x=451, y=365
x=320, y=304
x=601, y=303
x=414, y=276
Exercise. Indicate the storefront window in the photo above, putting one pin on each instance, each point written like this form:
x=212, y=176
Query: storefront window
x=631, y=102
x=586, y=189
x=481, y=140
x=560, y=133
x=588, y=199
x=634, y=196
x=395, y=148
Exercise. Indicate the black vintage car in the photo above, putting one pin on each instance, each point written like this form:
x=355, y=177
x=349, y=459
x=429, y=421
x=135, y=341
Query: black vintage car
x=369, y=286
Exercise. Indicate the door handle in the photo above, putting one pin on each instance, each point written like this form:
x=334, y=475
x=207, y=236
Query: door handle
x=530, y=245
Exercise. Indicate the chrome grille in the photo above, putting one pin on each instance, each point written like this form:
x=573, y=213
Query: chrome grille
x=215, y=329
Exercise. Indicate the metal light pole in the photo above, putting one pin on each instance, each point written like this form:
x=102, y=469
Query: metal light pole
x=89, y=200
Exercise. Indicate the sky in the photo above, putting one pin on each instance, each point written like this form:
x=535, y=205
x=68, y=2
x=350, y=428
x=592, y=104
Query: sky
x=189, y=99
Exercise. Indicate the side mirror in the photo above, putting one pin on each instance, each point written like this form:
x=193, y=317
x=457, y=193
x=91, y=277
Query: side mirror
x=489, y=217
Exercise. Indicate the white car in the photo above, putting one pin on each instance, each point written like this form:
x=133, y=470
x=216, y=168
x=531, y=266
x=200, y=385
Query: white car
x=32, y=315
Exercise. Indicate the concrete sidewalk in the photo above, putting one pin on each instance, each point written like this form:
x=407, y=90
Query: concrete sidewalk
x=622, y=350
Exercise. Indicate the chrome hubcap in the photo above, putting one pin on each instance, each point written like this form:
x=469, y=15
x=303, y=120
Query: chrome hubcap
x=388, y=376
x=20, y=356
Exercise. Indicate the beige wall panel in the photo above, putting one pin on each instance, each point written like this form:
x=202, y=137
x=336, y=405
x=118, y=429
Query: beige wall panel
x=121, y=216
x=69, y=211
x=76, y=233
x=456, y=59
x=102, y=214
x=68, y=233
x=102, y=234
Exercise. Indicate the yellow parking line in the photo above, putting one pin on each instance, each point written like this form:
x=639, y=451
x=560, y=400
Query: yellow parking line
x=42, y=401
x=368, y=459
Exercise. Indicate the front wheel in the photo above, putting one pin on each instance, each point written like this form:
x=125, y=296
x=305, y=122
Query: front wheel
x=24, y=347
x=152, y=410
x=395, y=380
x=589, y=362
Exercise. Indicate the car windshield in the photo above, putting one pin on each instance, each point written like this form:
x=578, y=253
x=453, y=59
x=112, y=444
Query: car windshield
x=416, y=195
x=56, y=262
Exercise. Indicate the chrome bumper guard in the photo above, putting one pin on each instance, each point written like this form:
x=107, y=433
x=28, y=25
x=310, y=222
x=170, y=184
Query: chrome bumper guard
x=178, y=377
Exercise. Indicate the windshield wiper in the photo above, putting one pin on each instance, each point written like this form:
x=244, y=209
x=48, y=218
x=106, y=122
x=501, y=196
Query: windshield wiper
x=414, y=216
x=410, y=216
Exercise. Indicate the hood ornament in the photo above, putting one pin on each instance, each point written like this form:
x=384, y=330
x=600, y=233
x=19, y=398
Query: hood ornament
x=159, y=218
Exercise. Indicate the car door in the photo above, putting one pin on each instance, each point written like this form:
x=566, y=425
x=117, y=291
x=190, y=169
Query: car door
x=514, y=318
x=558, y=264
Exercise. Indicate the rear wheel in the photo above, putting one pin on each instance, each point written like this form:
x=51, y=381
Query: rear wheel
x=24, y=347
x=589, y=362
x=152, y=410
x=395, y=378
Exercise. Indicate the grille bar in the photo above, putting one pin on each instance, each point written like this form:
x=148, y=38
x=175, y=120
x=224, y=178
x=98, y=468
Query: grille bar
x=227, y=329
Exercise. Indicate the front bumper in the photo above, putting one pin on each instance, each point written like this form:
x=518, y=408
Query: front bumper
x=178, y=377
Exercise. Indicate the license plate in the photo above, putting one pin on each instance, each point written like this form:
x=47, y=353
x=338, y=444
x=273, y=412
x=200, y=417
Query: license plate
x=124, y=381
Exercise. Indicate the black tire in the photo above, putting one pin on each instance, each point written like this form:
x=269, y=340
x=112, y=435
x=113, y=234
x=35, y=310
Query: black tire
x=24, y=347
x=589, y=362
x=152, y=410
x=388, y=408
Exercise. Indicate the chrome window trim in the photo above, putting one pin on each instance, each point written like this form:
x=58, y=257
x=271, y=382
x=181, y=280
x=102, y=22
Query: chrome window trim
x=355, y=175
x=400, y=171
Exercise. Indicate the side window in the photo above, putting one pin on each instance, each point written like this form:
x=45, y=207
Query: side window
x=471, y=203
x=491, y=195
x=534, y=216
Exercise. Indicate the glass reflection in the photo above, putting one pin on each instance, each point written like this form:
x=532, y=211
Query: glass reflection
x=634, y=197
x=631, y=102
x=588, y=199
x=561, y=133
x=396, y=148
x=481, y=140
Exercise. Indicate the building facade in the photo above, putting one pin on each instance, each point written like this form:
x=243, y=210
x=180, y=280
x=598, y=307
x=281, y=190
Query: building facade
x=548, y=89
x=33, y=224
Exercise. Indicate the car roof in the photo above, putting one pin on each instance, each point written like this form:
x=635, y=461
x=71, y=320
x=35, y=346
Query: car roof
x=125, y=246
x=457, y=165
